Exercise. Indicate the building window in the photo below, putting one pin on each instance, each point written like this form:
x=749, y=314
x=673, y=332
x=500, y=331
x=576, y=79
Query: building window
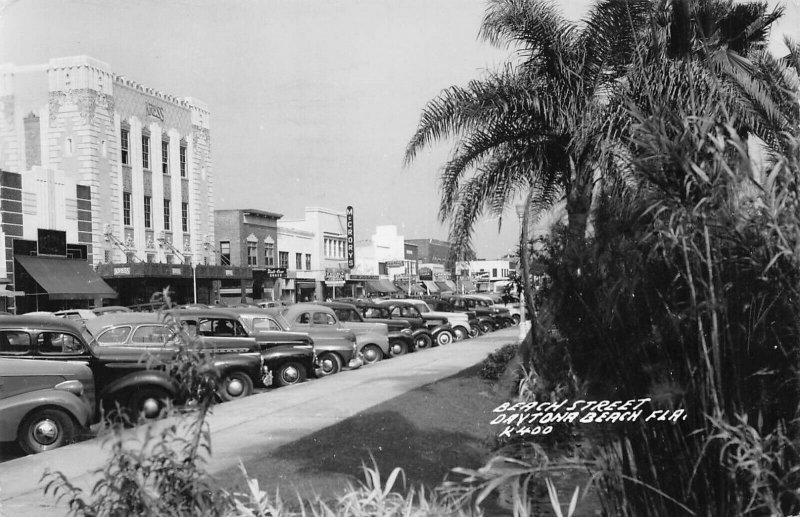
x=183, y=161
x=225, y=252
x=165, y=157
x=148, y=210
x=126, y=208
x=146, y=151
x=124, y=146
x=494, y=272
x=298, y=260
x=252, y=254
x=269, y=254
x=283, y=259
x=308, y=262
x=167, y=214
x=185, y=217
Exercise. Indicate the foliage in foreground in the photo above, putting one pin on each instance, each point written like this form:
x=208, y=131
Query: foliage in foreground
x=495, y=363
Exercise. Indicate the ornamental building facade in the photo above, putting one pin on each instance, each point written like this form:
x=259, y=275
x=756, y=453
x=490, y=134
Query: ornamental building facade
x=141, y=157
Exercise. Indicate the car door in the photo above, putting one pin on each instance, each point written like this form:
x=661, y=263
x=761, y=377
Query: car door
x=224, y=335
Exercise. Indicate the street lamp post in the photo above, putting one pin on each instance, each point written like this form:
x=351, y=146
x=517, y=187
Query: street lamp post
x=194, y=280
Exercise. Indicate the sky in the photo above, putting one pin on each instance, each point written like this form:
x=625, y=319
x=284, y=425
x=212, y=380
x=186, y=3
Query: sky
x=312, y=101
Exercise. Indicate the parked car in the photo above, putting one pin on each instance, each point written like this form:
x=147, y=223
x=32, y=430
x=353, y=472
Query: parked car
x=372, y=337
x=484, y=316
x=147, y=335
x=44, y=404
x=289, y=356
x=501, y=315
x=459, y=323
x=335, y=345
x=513, y=307
x=422, y=328
x=119, y=379
x=110, y=309
x=79, y=315
x=401, y=336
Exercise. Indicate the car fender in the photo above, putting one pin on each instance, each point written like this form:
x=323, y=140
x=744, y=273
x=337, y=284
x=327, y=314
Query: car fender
x=135, y=380
x=249, y=363
x=373, y=338
x=14, y=409
x=441, y=328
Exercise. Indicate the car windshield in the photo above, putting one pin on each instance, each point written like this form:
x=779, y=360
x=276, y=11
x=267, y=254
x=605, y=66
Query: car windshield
x=422, y=307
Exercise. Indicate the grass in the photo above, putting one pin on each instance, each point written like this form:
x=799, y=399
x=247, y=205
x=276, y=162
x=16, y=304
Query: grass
x=425, y=432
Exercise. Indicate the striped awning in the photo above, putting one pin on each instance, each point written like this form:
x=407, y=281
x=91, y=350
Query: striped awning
x=431, y=286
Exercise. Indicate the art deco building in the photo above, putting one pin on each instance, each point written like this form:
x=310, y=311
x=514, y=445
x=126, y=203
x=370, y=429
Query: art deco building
x=142, y=159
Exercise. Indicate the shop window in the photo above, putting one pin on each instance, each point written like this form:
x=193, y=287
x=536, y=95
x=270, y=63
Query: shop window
x=252, y=254
x=165, y=156
x=146, y=152
x=225, y=252
x=124, y=146
x=126, y=208
x=167, y=214
x=148, y=212
x=182, y=154
x=185, y=217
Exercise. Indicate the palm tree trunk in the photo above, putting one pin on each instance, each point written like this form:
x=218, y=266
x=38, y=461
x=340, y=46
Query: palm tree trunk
x=528, y=344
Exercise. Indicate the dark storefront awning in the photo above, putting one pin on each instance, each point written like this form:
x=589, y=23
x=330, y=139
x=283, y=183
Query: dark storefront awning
x=66, y=279
x=379, y=286
x=431, y=285
x=443, y=286
x=415, y=289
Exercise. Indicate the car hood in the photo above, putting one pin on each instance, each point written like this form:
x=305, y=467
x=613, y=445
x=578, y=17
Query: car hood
x=451, y=316
x=366, y=327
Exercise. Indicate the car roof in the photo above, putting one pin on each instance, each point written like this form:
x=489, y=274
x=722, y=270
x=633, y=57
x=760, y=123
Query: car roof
x=207, y=313
x=344, y=305
x=37, y=321
x=105, y=321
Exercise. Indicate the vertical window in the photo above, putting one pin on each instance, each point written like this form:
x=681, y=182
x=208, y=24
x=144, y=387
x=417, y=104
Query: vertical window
x=494, y=272
x=283, y=257
x=185, y=217
x=269, y=254
x=167, y=214
x=145, y=151
x=298, y=260
x=183, y=161
x=252, y=254
x=225, y=252
x=308, y=262
x=126, y=208
x=165, y=157
x=124, y=146
x=148, y=210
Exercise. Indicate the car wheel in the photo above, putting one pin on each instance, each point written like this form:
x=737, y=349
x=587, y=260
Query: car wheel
x=486, y=328
x=235, y=385
x=329, y=363
x=444, y=337
x=516, y=319
x=460, y=333
x=147, y=403
x=423, y=341
x=290, y=373
x=45, y=429
x=397, y=348
x=372, y=354
x=474, y=331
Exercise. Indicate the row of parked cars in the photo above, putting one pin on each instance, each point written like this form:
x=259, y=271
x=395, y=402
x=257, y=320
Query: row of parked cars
x=60, y=375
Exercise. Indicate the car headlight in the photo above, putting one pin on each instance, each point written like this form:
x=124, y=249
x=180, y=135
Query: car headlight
x=74, y=387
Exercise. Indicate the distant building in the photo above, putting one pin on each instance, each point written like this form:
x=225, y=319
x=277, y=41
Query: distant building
x=143, y=158
x=249, y=238
x=435, y=267
x=380, y=260
x=486, y=274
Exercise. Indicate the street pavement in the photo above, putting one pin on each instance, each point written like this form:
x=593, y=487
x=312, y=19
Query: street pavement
x=255, y=425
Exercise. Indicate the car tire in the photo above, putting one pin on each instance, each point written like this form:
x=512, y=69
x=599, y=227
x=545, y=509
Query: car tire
x=235, y=385
x=147, y=403
x=45, y=429
x=329, y=363
x=444, y=337
x=460, y=334
x=486, y=328
x=474, y=331
x=289, y=373
x=517, y=319
x=397, y=348
x=423, y=341
x=372, y=354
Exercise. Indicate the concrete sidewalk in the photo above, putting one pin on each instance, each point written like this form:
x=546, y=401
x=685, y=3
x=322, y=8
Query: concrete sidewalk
x=257, y=424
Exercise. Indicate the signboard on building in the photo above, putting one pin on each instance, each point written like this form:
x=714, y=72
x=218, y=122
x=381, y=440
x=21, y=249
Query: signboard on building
x=335, y=276
x=364, y=277
x=425, y=273
x=442, y=276
x=395, y=263
x=275, y=272
x=351, y=240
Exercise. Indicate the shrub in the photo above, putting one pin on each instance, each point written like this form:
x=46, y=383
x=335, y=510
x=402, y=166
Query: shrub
x=496, y=363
